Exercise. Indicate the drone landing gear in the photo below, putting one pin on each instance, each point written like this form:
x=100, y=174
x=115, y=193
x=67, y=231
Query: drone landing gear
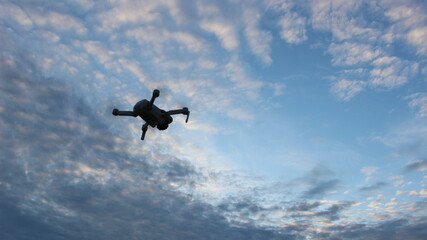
x=144, y=130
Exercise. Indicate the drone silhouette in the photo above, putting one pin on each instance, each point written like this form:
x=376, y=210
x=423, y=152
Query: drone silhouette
x=151, y=114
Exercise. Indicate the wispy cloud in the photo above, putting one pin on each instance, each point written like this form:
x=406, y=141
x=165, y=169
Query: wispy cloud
x=65, y=161
x=374, y=187
x=347, y=89
x=385, y=70
x=292, y=24
x=81, y=171
x=350, y=53
x=368, y=172
x=259, y=40
x=418, y=100
x=318, y=182
x=336, y=17
x=409, y=23
x=224, y=31
x=392, y=72
x=420, y=165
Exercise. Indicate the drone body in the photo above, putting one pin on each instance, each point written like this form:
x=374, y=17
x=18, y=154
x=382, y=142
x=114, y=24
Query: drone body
x=151, y=114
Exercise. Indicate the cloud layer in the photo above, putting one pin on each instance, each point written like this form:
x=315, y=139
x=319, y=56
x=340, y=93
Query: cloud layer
x=69, y=171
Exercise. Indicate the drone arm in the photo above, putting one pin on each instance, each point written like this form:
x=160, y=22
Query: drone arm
x=173, y=112
x=144, y=130
x=156, y=93
x=180, y=111
x=116, y=112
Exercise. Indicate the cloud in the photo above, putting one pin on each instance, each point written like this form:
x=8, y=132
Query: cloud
x=303, y=206
x=374, y=187
x=67, y=170
x=259, y=40
x=422, y=192
x=338, y=18
x=407, y=140
x=391, y=72
x=59, y=21
x=350, y=53
x=160, y=38
x=392, y=229
x=420, y=165
x=67, y=174
x=408, y=23
x=15, y=13
x=129, y=12
x=236, y=72
x=293, y=28
x=368, y=172
x=418, y=100
x=418, y=37
x=224, y=31
x=332, y=212
x=292, y=24
x=356, y=43
x=99, y=51
x=318, y=183
x=347, y=89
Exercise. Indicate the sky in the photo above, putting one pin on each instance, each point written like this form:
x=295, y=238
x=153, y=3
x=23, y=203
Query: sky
x=308, y=119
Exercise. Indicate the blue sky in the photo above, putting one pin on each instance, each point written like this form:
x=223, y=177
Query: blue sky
x=308, y=119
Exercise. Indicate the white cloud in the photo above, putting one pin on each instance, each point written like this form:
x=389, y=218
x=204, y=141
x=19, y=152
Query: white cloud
x=16, y=13
x=206, y=63
x=421, y=193
x=368, y=172
x=240, y=114
x=391, y=72
x=259, y=40
x=397, y=180
x=188, y=40
x=206, y=9
x=375, y=204
x=223, y=30
x=85, y=4
x=28, y=16
x=50, y=36
x=203, y=94
x=336, y=16
x=408, y=23
x=385, y=60
x=350, y=53
x=347, y=89
x=59, y=21
x=371, y=43
x=418, y=100
x=278, y=88
x=392, y=202
x=201, y=126
x=135, y=68
x=400, y=13
x=418, y=38
x=292, y=24
x=133, y=12
x=97, y=49
x=293, y=27
x=172, y=64
x=408, y=16
x=158, y=37
x=235, y=71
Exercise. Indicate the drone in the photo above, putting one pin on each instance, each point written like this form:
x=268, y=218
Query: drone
x=151, y=114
